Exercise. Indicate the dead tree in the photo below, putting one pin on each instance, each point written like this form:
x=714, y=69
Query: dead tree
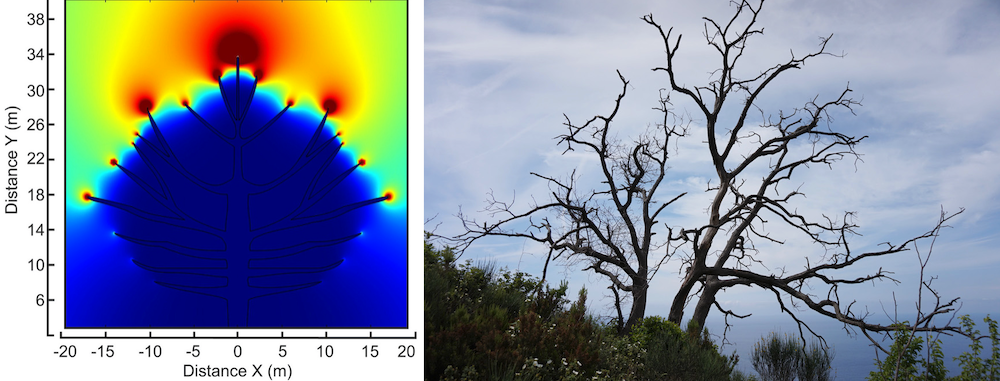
x=612, y=228
x=615, y=227
x=721, y=253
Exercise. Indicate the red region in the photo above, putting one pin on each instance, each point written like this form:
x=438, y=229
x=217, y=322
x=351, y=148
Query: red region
x=237, y=43
x=335, y=101
x=145, y=105
x=114, y=162
x=330, y=105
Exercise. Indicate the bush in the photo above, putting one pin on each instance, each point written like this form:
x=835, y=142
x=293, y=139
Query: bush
x=483, y=322
x=558, y=346
x=905, y=363
x=783, y=358
x=815, y=363
x=467, y=311
x=621, y=357
x=691, y=356
x=974, y=367
x=774, y=358
x=659, y=350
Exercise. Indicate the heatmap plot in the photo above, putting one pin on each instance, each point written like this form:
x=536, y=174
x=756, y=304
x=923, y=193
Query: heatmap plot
x=236, y=164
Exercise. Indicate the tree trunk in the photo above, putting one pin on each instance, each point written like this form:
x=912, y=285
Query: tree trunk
x=706, y=301
x=677, y=307
x=638, y=311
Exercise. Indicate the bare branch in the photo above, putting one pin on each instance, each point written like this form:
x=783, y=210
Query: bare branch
x=612, y=224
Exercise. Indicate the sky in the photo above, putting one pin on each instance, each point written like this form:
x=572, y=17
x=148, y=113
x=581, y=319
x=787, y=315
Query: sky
x=500, y=75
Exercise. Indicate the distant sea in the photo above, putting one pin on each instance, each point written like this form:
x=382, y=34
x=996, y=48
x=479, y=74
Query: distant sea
x=854, y=357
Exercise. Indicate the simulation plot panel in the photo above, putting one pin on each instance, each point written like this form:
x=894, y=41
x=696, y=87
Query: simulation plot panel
x=236, y=164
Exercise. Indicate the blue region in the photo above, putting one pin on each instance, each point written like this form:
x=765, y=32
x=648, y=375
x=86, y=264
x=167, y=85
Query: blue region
x=237, y=211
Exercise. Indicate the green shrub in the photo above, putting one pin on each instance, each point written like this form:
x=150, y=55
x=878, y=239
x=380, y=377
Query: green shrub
x=554, y=343
x=815, y=363
x=904, y=362
x=974, y=367
x=657, y=349
x=467, y=310
x=692, y=356
x=483, y=322
x=783, y=358
x=621, y=356
x=653, y=326
x=775, y=358
x=737, y=375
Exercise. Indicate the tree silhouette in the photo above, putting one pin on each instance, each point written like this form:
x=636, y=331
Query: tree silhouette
x=237, y=198
x=616, y=228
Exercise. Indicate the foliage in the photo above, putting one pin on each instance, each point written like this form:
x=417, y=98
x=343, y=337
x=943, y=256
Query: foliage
x=775, y=358
x=467, y=310
x=658, y=349
x=778, y=358
x=655, y=326
x=815, y=363
x=974, y=367
x=904, y=361
x=737, y=375
x=621, y=357
x=488, y=324
x=482, y=322
x=485, y=323
x=563, y=339
x=692, y=356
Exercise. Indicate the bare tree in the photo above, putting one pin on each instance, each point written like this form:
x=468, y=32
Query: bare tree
x=612, y=228
x=615, y=228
